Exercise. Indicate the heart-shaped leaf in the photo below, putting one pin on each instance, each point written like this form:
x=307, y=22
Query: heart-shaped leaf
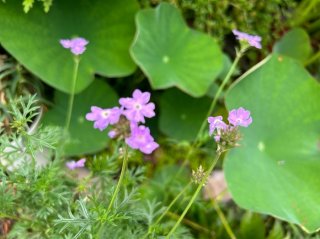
x=276, y=168
x=83, y=137
x=182, y=115
x=33, y=39
x=295, y=43
x=171, y=54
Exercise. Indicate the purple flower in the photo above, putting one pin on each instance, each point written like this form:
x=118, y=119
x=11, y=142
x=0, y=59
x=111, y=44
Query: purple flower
x=73, y=164
x=240, y=117
x=254, y=41
x=103, y=117
x=137, y=107
x=76, y=45
x=216, y=123
x=141, y=139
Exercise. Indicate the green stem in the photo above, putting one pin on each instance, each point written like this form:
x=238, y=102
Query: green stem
x=217, y=95
x=167, y=209
x=203, y=181
x=312, y=59
x=223, y=219
x=190, y=223
x=123, y=171
x=213, y=104
x=73, y=87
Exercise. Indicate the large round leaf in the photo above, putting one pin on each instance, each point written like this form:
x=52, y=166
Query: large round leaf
x=83, y=137
x=276, y=168
x=171, y=54
x=295, y=43
x=33, y=39
x=182, y=115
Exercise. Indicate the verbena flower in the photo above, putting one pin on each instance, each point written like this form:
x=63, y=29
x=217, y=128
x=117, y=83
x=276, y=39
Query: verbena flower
x=103, y=117
x=228, y=135
x=76, y=164
x=216, y=123
x=240, y=117
x=76, y=45
x=141, y=139
x=126, y=120
x=137, y=107
x=252, y=40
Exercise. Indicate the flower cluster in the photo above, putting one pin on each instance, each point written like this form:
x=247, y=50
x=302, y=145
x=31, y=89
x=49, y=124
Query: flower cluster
x=126, y=119
x=252, y=40
x=228, y=135
x=76, y=45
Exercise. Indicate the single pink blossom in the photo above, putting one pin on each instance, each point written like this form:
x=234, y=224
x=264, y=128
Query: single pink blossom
x=103, y=117
x=137, y=107
x=252, y=40
x=141, y=139
x=240, y=117
x=76, y=45
x=216, y=123
x=76, y=164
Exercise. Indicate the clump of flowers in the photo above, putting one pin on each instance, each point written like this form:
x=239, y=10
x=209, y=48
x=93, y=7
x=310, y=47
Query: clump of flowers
x=76, y=45
x=198, y=175
x=125, y=121
x=227, y=135
x=252, y=40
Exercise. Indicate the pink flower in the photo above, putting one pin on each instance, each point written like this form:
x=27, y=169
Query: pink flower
x=137, y=107
x=254, y=41
x=73, y=164
x=216, y=123
x=240, y=117
x=141, y=139
x=76, y=45
x=103, y=117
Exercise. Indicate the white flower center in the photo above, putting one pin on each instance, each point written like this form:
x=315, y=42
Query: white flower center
x=137, y=106
x=105, y=114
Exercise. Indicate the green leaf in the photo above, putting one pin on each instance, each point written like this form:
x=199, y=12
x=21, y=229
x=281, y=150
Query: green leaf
x=276, y=168
x=33, y=39
x=295, y=43
x=84, y=138
x=182, y=115
x=276, y=232
x=171, y=54
x=252, y=226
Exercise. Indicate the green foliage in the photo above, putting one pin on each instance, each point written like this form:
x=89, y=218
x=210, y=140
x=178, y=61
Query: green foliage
x=218, y=18
x=109, y=39
x=295, y=43
x=252, y=226
x=171, y=54
x=178, y=121
x=88, y=139
x=279, y=155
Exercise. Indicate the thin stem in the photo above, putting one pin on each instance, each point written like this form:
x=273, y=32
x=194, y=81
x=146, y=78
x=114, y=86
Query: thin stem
x=190, y=223
x=203, y=181
x=223, y=219
x=167, y=209
x=312, y=59
x=73, y=87
x=217, y=95
x=123, y=171
x=213, y=104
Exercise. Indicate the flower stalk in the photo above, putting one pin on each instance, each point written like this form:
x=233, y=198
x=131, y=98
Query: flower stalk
x=123, y=172
x=73, y=87
x=195, y=194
